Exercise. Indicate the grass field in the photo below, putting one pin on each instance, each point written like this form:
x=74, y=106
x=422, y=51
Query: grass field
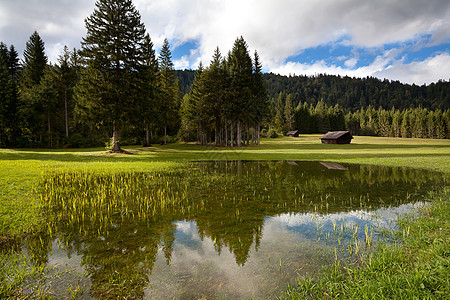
x=21, y=169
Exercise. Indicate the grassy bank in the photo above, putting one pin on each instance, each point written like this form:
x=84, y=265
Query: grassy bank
x=21, y=169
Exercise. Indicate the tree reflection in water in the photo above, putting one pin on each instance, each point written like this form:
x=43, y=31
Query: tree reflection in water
x=119, y=222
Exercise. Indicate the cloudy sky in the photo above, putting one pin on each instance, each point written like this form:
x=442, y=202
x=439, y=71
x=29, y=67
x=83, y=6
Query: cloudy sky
x=406, y=40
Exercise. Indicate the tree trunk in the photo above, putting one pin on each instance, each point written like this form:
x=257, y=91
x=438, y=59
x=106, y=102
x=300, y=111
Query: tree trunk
x=116, y=145
x=226, y=134
x=248, y=134
x=238, y=133
x=147, y=136
x=165, y=132
x=258, y=129
x=231, y=134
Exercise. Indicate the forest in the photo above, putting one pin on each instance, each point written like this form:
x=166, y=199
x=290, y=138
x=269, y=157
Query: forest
x=116, y=88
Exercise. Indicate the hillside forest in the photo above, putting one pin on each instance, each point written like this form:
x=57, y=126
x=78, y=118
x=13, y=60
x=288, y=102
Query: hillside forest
x=117, y=90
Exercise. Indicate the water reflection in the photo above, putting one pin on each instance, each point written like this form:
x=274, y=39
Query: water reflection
x=215, y=229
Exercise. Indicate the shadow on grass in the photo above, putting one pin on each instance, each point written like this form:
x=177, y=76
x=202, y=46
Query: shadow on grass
x=187, y=152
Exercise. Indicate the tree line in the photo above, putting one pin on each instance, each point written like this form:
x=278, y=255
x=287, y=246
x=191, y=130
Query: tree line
x=117, y=89
x=349, y=93
x=320, y=118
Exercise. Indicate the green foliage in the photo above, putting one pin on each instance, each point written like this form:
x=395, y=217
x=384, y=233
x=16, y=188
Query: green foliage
x=112, y=56
x=272, y=133
x=227, y=100
x=169, y=98
x=354, y=93
x=416, y=123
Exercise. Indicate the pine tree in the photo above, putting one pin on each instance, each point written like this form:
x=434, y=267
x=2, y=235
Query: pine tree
x=279, y=112
x=241, y=73
x=5, y=94
x=215, y=92
x=48, y=100
x=65, y=74
x=33, y=68
x=191, y=110
x=12, y=115
x=112, y=52
x=35, y=61
x=289, y=112
x=261, y=99
x=149, y=87
x=170, y=91
x=405, y=129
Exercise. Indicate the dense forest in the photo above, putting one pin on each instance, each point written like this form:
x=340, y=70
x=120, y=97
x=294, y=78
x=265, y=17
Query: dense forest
x=350, y=93
x=117, y=88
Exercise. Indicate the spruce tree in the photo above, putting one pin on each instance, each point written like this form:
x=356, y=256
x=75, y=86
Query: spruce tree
x=66, y=77
x=241, y=73
x=289, y=112
x=112, y=53
x=34, y=62
x=33, y=68
x=261, y=99
x=280, y=121
x=5, y=95
x=149, y=87
x=170, y=91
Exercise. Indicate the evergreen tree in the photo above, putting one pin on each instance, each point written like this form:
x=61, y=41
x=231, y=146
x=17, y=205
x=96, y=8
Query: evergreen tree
x=280, y=121
x=261, y=99
x=35, y=61
x=215, y=91
x=241, y=74
x=289, y=112
x=193, y=112
x=33, y=67
x=149, y=88
x=112, y=52
x=66, y=77
x=405, y=129
x=396, y=124
x=48, y=100
x=170, y=92
x=5, y=95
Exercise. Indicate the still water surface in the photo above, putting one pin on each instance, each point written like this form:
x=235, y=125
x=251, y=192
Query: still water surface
x=219, y=229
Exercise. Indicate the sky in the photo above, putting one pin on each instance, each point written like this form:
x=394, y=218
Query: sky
x=405, y=40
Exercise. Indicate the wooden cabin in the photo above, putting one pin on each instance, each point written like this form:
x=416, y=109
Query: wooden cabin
x=293, y=133
x=337, y=137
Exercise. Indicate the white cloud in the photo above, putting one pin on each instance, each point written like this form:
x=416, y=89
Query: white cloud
x=419, y=72
x=386, y=66
x=182, y=63
x=277, y=29
x=351, y=63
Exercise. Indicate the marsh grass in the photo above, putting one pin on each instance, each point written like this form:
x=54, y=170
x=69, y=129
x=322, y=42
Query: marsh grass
x=415, y=267
x=21, y=172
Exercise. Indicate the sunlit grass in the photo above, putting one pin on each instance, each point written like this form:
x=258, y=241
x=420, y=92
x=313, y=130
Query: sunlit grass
x=21, y=169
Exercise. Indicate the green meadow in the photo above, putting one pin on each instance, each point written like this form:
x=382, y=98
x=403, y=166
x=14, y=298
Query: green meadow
x=421, y=261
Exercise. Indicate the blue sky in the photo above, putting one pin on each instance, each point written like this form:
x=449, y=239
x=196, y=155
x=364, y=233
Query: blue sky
x=405, y=40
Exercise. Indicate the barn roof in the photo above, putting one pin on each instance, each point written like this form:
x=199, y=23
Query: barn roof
x=334, y=135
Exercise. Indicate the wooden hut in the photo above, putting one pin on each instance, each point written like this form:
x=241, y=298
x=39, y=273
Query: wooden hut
x=293, y=133
x=337, y=137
